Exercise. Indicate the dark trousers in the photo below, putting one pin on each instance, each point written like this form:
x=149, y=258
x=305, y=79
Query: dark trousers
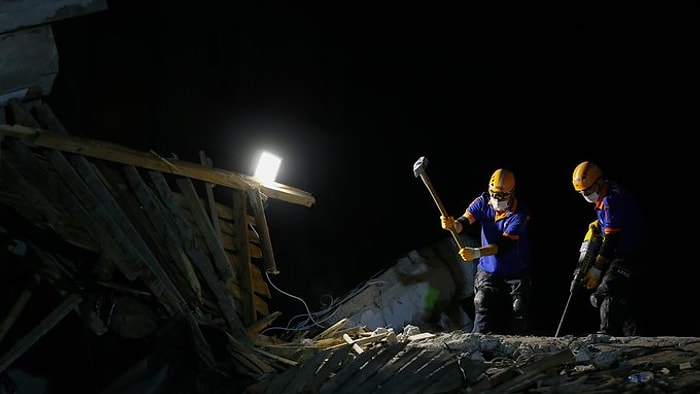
x=616, y=300
x=501, y=303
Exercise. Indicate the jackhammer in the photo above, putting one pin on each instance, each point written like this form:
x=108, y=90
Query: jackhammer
x=588, y=252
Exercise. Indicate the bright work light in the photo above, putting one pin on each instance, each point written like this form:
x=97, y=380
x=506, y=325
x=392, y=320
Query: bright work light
x=268, y=165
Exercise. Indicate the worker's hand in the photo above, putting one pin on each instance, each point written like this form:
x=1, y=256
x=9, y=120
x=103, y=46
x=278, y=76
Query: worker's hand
x=594, y=226
x=447, y=222
x=592, y=278
x=594, y=230
x=469, y=254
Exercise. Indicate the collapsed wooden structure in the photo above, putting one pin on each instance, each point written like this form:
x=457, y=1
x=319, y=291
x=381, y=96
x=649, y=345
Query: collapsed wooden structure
x=180, y=239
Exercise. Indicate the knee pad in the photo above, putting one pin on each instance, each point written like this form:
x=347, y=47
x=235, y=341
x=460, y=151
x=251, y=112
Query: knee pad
x=595, y=300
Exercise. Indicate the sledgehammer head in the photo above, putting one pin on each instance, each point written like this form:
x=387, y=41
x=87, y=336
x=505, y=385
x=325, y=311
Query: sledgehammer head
x=419, y=166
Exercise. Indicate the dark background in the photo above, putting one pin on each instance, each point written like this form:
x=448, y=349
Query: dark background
x=352, y=95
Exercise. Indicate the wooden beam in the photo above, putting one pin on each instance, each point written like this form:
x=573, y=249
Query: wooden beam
x=151, y=160
x=105, y=210
x=211, y=204
x=256, y=201
x=17, y=308
x=240, y=236
x=163, y=229
x=39, y=331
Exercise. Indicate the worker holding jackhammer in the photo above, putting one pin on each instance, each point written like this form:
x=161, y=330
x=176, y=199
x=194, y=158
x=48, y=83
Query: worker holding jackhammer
x=502, y=284
x=620, y=259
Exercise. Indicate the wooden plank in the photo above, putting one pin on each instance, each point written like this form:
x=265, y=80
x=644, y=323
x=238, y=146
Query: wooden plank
x=433, y=371
x=50, y=321
x=289, y=350
x=259, y=284
x=382, y=369
x=535, y=368
x=262, y=308
x=163, y=228
x=330, y=366
x=16, y=310
x=92, y=179
x=332, y=342
x=350, y=342
x=29, y=202
x=182, y=226
x=228, y=227
x=63, y=266
x=293, y=380
x=260, y=305
x=279, y=383
x=120, y=154
x=220, y=258
x=173, y=209
x=30, y=194
x=100, y=202
x=240, y=238
x=330, y=331
x=44, y=114
x=205, y=228
x=245, y=354
x=419, y=336
x=275, y=357
x=221, y=293
x=448, y=370
x=222, y=211
x=510, y=377
x=227, y=239
x=351, y=374
x=122, y=255
x=304, y=372
x=21, y=114
x=225, y=213
x=362, y=341
x=211, y=204
x=411, y=377
x=257, y=326
x=255, y=197
x=255, y=251
x=228, y=244
x=253, y=236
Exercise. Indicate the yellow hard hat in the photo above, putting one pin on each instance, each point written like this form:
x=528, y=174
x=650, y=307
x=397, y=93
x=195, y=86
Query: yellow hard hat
x=585, y=175
x=502, y=181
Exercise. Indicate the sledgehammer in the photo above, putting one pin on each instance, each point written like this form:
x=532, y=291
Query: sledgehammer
x=419, y=171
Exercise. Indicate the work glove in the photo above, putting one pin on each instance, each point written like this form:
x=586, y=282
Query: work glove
x=469, y=254
x=592, y=278
x=447, y=222
x=594, y=226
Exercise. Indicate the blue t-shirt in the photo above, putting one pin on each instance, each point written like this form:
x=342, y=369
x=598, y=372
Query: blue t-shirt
x=619, y=212
x=512, y=223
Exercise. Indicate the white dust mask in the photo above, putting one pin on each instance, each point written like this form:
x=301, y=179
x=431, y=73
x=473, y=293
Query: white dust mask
x=499, y=205
x=593, y=197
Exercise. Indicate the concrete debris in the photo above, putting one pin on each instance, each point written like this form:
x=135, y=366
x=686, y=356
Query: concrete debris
x=459, y=362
